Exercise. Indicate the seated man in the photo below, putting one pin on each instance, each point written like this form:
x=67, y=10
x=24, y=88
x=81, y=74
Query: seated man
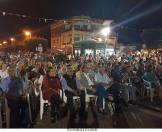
x=85, y=83
x=103, y=82
x=71, y=86
x=92, y=72
x=129, y=91
x=150, y=76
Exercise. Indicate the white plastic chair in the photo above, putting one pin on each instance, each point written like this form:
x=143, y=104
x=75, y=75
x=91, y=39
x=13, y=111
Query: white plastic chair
x=88, y=96
x=65, y=98
x=36, y=87
x=42, y=101
x=103, y=102
x=111, y=107
x=127, y=91
x=149, y=89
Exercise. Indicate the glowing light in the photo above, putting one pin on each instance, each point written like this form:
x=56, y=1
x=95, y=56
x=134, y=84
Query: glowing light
x=0, y=44
x=100, y=39
x=4, y=42
x=138, y=16
x=106, y=31
x=12, y=39
x=27, y=33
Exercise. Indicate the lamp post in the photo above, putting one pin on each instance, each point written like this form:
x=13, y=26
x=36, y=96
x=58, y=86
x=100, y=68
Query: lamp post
x=4, y=42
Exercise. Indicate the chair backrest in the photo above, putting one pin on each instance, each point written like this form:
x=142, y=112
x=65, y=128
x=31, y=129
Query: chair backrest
x=40, y=81
x=89, y=95
x=147, y=84
x=129, y=83
x=38, y=85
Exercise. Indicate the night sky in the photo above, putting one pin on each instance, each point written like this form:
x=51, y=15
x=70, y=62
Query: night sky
x=137, y=14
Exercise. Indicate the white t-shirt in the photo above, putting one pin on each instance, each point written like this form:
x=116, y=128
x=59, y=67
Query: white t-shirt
x=90, y=83
x=102, y=79
x=3, y=74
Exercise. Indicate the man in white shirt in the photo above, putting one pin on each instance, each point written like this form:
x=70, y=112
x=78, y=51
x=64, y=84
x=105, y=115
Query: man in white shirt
x=85, y=83
x=102, y=82
x=102, y=78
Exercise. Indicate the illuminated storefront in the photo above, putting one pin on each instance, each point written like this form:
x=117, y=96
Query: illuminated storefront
x=93, y=48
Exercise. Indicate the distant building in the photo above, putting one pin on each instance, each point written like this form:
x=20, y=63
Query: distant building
x=64, y=34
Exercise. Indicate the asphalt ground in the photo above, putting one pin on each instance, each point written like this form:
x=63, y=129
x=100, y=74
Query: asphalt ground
x=131, y=116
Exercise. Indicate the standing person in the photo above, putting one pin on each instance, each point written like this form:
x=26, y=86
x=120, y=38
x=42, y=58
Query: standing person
x=51, y=91
x=16, y=99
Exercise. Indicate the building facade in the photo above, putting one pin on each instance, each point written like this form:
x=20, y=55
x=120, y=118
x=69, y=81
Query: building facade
x=64, y=34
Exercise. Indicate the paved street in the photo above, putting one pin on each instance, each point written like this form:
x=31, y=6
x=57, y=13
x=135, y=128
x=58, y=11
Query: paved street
x=132, y=117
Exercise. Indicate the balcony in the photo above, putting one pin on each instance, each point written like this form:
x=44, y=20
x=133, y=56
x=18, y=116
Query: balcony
x=78, y=29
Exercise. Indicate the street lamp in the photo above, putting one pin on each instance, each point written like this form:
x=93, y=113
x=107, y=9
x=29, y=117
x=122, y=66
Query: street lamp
x=106, y=31
x=27, y=34
x=4, y=42
x=12, y=39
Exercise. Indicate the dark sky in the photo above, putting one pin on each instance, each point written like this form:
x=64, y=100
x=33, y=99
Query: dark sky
x=138, y=14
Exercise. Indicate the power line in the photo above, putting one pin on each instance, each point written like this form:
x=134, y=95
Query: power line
x=24, y=16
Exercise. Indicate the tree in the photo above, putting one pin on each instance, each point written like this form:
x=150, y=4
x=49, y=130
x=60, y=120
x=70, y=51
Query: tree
x=32, y=44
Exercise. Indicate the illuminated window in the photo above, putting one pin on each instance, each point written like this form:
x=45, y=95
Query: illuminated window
x=89, y=51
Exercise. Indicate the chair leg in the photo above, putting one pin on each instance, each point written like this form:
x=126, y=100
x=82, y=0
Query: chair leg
x=151, y=94
x=64, y=98
x=111, y=109
x=87, y=101
x=29, y=108
x=41, y=110
x=103, y=103
x=96, y=101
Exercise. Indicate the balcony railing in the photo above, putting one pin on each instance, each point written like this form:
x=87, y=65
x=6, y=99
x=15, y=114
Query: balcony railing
x=78, y=29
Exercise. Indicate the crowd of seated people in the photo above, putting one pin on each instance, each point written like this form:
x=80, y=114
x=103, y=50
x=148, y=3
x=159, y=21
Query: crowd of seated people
x=110, y=79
